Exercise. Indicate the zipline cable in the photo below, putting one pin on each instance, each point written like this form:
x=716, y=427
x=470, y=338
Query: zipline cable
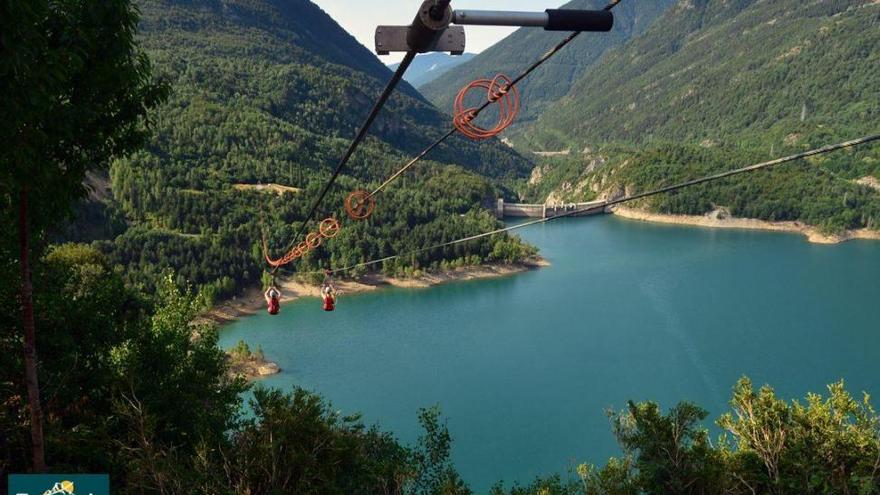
x=361, y=135
x=476, y=112
x=601, y=205
x=360, y=204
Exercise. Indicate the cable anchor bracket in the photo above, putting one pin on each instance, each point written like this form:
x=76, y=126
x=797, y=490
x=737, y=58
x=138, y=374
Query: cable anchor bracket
x=432, y=30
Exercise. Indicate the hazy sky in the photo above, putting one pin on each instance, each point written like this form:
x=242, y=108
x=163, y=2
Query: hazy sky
x=360, y=18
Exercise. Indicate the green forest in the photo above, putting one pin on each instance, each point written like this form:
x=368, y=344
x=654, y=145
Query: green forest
x=820, y=191
x=745, y=73
x=103, y=366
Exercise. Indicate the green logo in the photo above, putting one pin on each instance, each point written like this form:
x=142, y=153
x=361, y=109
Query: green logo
x=59, y=484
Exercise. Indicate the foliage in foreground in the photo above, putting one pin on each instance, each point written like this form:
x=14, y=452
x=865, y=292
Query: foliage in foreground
x=133, y=388
x=819, y=446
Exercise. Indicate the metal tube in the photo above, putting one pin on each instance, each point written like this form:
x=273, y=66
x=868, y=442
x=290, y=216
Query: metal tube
x=499, y=18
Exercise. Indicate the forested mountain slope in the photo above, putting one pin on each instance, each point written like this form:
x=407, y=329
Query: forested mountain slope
x=727, y=70
x=554, y=79
x=271, y=91
x=717, y=84
x=285, y=66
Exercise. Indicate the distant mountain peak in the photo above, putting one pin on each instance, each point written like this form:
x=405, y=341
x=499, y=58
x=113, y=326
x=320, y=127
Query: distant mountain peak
x=429, y=66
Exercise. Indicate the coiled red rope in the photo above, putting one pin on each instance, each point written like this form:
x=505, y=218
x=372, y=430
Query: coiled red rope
x=499, y=90
x=327, y=229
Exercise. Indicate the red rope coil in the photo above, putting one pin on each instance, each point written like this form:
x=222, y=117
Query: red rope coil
x=303, y=248
x=314, y=240
x=291, y=255
x=273, y=263
x=329, y=228
x=499, y=90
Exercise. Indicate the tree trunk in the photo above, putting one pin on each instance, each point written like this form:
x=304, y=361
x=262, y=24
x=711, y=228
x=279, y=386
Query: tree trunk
x=30, y=337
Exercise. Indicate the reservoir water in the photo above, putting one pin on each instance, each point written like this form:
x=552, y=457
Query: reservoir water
x=524, y=367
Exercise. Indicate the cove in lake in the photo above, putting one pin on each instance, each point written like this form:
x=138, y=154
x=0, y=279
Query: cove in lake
x=524, y=367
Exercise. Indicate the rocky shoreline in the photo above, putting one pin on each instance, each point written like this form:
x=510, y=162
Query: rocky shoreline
x=722, y=220
x=253, y=368
x=248, y=364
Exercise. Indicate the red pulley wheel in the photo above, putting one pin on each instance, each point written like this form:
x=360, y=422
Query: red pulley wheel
x=360, y=205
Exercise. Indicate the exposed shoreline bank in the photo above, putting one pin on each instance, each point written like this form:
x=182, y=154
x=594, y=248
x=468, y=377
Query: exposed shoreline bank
x=719, y=220
x=251, y=302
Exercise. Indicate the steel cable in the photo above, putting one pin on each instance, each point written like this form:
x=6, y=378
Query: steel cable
x=361, y=135
x=602, y=205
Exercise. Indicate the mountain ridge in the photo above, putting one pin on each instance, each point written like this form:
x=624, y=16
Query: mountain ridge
x=429, y=66
x=752, y=63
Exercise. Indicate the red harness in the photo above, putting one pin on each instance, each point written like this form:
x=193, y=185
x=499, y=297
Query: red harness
x=274, y=307
x=329, y=303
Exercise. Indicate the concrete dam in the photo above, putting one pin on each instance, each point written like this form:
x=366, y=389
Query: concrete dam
x=504, y=209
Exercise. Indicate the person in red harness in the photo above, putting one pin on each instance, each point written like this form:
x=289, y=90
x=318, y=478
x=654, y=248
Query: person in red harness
x=328, y=293
x=329, y=296
x=273, y=299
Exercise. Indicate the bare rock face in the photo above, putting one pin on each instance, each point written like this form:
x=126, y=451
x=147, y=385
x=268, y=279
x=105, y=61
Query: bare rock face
x=720, y=213
x=595, y=163
x=870, y=181
x=537, y=175
x=613, y=193
x=252, y=366
x=268, y=369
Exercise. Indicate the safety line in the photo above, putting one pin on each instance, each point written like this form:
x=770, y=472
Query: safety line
x=605, y=204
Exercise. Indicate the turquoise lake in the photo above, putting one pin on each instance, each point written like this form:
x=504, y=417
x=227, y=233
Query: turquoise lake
x=524, y=367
